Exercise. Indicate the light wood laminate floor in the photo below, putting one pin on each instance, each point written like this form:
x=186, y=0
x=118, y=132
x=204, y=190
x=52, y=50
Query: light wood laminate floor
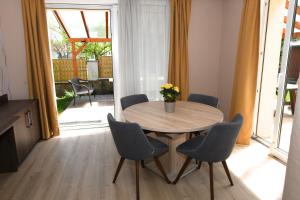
x=81, y=164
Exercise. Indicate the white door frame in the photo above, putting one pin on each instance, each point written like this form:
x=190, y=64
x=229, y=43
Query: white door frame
x=274, y=149
x=274, y=146
x=262, y=44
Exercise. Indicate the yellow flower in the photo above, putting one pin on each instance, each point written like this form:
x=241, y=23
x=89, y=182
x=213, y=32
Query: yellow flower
x=176, y=89
x=166, y=86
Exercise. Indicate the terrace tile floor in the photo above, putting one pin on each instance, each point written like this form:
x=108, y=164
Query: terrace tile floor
x=86, y=116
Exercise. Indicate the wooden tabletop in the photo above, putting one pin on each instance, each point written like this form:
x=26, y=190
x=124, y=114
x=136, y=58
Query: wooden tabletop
x=188, y=116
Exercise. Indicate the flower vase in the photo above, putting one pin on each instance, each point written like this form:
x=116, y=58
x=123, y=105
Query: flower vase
x=170, y=107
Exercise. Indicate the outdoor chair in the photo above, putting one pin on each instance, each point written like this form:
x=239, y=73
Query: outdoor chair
x=81, y=89
x=214, y=147
x=133, y=144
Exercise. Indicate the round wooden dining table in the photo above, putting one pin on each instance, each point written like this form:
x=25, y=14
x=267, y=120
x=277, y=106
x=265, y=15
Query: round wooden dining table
x=171, y=128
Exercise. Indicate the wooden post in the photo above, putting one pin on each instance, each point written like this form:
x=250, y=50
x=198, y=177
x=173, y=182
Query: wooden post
x=74, y=62
x=75, y=52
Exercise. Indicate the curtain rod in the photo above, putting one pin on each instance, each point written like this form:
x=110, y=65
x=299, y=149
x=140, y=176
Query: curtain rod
x=78, y=6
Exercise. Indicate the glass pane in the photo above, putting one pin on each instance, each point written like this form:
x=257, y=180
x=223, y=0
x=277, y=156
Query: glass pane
x=96, y=23
x=287, y=117
x=291, y=87
x=53, y=26
x=58, y=38
x=73, y=22
x=270, y=69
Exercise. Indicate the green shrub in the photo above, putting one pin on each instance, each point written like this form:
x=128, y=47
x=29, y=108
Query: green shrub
x=64, y=101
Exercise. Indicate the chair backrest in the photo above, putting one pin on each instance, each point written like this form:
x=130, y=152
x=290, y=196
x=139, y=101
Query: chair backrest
x=205, y=99
x=75, y=82
x=220, y=140
x=132, y=100
x=130, y=140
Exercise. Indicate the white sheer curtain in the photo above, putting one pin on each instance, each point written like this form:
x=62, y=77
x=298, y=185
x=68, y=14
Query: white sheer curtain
x=4, y=82
x=140, y=47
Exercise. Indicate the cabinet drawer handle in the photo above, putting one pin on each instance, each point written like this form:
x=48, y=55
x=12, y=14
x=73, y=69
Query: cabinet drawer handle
x=28, y=117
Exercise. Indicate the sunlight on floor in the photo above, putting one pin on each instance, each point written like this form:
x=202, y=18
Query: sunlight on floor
x=261, y=174
x=86, y=116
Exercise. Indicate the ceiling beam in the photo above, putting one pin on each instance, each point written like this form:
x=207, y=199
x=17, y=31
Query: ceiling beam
x=106, y=23
x=85, y=25
x=60, y=22
x=90, y=40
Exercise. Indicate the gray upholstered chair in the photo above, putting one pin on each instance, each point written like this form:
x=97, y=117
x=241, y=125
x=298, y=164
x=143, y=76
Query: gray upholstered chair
x=133, y=144
x=132, y=100
x=205, y=99
x=215, y=147
x=81, y=89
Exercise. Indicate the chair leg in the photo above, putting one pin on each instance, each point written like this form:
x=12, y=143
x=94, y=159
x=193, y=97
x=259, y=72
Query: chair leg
x=161, y=169
x=90, y=99
x=227, y=172
x=191, y=135
x=118, y=169
x=74, y=100
x=211, y=180
x=199, y=164
x=143, y=163
x=137, y=182
x=185, y=164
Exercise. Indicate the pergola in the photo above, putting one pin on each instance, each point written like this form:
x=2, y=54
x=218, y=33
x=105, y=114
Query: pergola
x=74, y=21
x=296, y=34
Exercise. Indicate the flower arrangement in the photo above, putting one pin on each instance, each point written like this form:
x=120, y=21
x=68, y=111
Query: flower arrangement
x=169, y=92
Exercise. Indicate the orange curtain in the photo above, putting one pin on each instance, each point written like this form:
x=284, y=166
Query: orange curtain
x=40, y=77
x=244, y=87
x=178, y=55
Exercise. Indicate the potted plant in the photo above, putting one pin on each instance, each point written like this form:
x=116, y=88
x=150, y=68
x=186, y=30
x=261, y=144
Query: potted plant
x=170, y=94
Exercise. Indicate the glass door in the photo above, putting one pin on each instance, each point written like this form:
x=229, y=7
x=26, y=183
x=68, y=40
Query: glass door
x=278, y=74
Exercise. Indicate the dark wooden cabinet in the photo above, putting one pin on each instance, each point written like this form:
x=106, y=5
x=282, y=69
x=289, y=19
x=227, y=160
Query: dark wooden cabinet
x=25, y=129
x=8, y=154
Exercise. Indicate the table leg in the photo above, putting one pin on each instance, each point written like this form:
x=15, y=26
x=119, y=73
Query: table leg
x=171, y=161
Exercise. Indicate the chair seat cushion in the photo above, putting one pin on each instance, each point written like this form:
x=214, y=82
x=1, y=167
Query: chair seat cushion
x=159, y=147
x=85, y=91
x=190, y=145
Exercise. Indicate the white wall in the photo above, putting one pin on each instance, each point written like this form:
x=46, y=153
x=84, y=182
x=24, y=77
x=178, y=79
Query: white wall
x=232, y=10
x=204, y=45
x=14, y=47
x=213, y=38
